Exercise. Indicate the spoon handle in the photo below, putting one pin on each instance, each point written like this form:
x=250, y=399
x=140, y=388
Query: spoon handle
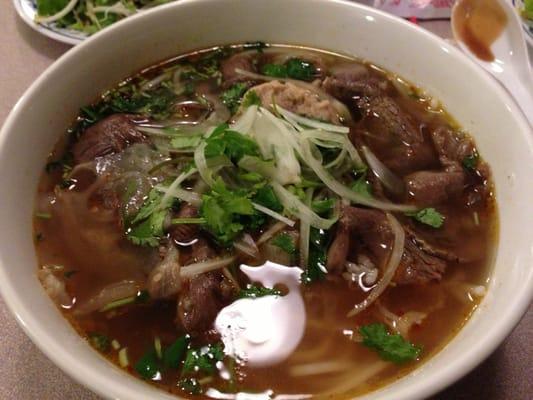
x=522, y=91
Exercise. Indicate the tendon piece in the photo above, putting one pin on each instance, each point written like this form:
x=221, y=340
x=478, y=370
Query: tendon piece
x=296, y=99
x=108, y=136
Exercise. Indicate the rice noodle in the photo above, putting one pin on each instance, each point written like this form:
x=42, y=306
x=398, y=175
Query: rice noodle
x=57, y=16
x=319, y=368
x=192, y=270
x=392, y=265
x=270, y=232
x=273, y=214
x=385, y=175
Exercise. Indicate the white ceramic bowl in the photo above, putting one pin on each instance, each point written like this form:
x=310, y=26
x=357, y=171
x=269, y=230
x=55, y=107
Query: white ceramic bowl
x=77, y=78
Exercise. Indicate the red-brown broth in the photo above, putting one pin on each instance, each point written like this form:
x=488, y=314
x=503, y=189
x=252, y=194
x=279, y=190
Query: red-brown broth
x=98, y=252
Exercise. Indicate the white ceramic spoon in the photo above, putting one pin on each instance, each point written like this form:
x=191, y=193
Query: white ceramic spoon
x=511, y=64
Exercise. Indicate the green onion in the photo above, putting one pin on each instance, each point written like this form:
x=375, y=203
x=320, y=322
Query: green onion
x=43, y=215
x=177, y=221
x=123, y=360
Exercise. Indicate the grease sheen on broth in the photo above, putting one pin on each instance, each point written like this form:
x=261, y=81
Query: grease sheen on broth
x=139, y=273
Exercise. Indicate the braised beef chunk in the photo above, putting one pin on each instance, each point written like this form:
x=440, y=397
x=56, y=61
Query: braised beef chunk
x=229, y=65
x=434, y=187
x=451, y=147
x=369, y=231
x=185, y=233
x=200, y=301
x=110, y=135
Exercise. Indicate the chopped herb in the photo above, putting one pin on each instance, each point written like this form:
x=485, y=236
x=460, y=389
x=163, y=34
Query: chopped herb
x=316, y=266
x=180, y=221
x=148, y=365
x=362, y=186
x=294, y=68
x=389, y=347
x=284, y=241
x=184, y=142
x=140, y=298
x=232, y=97
x=43, y=215
x=470, y=162
x=115, y=344
x=266, y=197
x=190, y=385
x=255, y=291
x=100, y=342
x=428, y=216
x=223, y=209
x=146, y=228
x=251, y=177
x=234, y=145
x=173, y=355
x=251, y=99
x=323, y=206
x=203, y=360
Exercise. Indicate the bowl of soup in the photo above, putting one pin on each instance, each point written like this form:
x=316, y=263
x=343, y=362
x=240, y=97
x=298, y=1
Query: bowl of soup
x=279, y=200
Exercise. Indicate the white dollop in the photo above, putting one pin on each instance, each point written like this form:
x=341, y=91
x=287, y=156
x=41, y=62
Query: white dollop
x=266, y=330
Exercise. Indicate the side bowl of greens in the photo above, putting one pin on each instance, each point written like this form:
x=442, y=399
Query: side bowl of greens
x=525, y=10
x=101, y=62
x=72, y=21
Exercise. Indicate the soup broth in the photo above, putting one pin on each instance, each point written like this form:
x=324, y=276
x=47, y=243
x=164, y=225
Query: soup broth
x=171, y=181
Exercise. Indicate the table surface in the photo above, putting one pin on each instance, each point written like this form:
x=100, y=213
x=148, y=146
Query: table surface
x=25, y=373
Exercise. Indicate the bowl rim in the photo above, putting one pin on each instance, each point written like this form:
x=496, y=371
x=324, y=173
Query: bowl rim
x=97, y=381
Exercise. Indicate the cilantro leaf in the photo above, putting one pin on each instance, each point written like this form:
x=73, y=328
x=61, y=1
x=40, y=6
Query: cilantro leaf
x=428, y=216
x=284, y=241
x=190, y=385
x=148, y=365
x=232, y=97
x=100, y=342
x=275, y=70
x=203, y=360
x=50, y=7
x=323, y=206
x=389, y=347
x=470, y=162
x=222, y=210
x=173, y=354
x=316, y=265
x=255, y=291
x=251, y=99
x=362, y=186
x=294, y=68
x=183, y=142
x=148, y=232
x=266, y=197
x=230, y=143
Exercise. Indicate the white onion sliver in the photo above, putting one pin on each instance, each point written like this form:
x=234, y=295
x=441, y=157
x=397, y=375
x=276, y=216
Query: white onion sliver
x=175, y=185
x=192, y=270
x=201, y=164
x=385, y=175
x=390, y=269
x=273, y=214
x=305, y=231
x=246, y=245
x=245, y=122
x=294, y=206
x=311, y=122
x=342, y=190
x=270, y=232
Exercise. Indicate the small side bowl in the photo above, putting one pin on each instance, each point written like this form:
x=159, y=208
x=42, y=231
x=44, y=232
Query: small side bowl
x=473, y=98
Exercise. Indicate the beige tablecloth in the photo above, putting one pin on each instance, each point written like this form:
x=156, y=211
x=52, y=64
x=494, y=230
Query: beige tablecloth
x=26, y=374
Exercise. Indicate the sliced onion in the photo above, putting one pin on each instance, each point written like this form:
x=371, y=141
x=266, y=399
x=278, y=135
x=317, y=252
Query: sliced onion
x=305, y=232
x=342, y=190
x=311, y=122
x=270, y=232
x=319, y=368
x=201, y=164
x=394, y=184
x=117, y=8
x=57, y=16
x=273, y=214
x=294, y=206
x=174, y=185
x=246, y=244
x=182, y=194
x=390, y=269
x=245, y=122
x=192, y=270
